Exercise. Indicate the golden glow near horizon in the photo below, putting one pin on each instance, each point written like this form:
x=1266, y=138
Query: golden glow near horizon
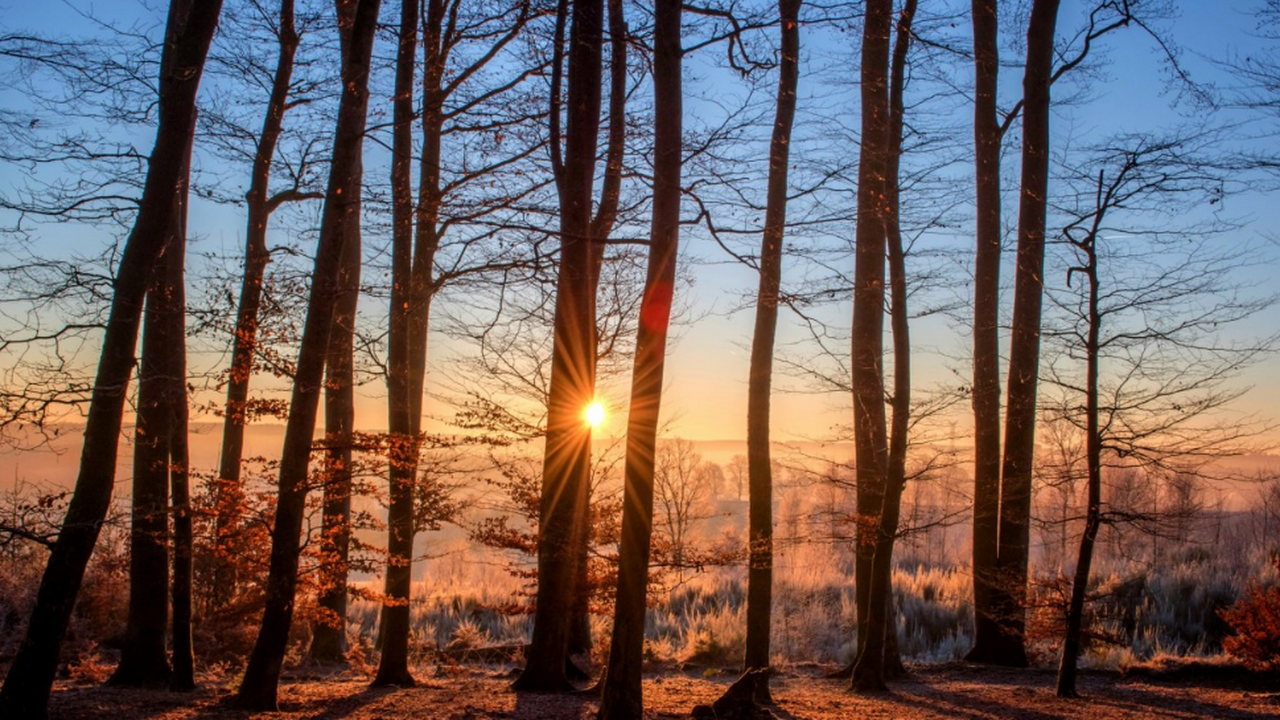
x=594, y=414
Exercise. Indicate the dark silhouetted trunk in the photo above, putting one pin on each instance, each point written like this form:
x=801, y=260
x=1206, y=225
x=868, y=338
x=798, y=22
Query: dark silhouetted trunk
x=621, y=696
x=874, y=661
x=760, y=375
x=329, y=631
x=174, y=296
x=566, y=464
x=1066, y=684
x=606, y=214
x=188, y=32
x=256, y=257
x=403, y=404
x=1024, y=355
x=870, y=433
x=986, y=330
x=258, y=689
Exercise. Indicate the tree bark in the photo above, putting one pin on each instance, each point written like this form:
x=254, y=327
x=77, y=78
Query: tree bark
x=1024, y=355
x=870, y=669
x=760, y=374
x=329, y=632
x=1066, y=683
x=986, y=330
x=566, y=463
x=601, y=225
x=258, y=689
x=188, y=31
x=256, y=256
x=621, y=697
x=870, y=432
x=393, y=666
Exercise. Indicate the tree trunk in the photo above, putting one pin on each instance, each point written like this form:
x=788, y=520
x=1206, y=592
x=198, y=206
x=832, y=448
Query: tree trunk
x=1024, y=355
x=986, y=331
x=870, y=433
x=329, y=631
x=601, y=225
x=393, y=666
x=256, y=256
x=621, y=697
x=1066, y=685
x=188, y=32
x=869, y=670
x=258, y=689
x=760, y=375
x=566, y=464
x=178, y=447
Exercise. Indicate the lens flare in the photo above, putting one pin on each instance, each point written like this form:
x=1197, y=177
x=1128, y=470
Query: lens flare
x=595, y=414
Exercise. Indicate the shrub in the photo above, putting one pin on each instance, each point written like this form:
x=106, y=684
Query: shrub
x=1255, y=618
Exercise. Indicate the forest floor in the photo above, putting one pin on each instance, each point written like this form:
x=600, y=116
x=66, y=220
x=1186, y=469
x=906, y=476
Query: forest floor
x=938, y=692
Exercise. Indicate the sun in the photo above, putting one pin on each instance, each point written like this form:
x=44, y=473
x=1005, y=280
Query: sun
x=594, y=413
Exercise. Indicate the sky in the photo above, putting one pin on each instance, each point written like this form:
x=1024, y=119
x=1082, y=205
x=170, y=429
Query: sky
x=707, y=367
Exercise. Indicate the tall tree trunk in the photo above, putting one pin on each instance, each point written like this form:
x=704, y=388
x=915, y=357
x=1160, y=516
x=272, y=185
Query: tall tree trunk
x=870, y=433
x=174, y=296
x=870, y=669
x=621, y=696
x=258, y=689
x=986, y=331
x=1024, y=355
x=393, y=667
x=1066, y=684
x=760, y=375
x=601, y=225
x=188, y=31
x=256, y=257
x=329, y=632
x=566, y=464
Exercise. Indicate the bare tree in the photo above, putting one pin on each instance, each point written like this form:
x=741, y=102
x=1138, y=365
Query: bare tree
x=621, y=696
x=188, y=33
x=258, y=688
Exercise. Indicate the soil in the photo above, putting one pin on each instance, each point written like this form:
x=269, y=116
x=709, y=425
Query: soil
x=944, y=692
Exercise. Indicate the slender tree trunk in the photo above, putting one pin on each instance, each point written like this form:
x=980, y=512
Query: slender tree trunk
x=1024, y=356
x=329, y=632
x=393, y=667
x=188, y=32
x=229, y=495
x=760, y=375
x=143, y=658
x=870, y=433
x=621, y=696
x=601, y=225
x=258, y=689
x=566, y=465
x=174, y=296
x=1066, y=685
x=986, y=330
x=870, y=669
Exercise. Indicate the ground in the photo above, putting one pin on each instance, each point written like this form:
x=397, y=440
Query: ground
x=942, y=692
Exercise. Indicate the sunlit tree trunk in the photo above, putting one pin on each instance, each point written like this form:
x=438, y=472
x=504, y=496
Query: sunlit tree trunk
x=760, y=374
x=188, y=31
x=566, y=464
x=1024, y=355
x=256, y=257
x=258, y=688
x=622, y=696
